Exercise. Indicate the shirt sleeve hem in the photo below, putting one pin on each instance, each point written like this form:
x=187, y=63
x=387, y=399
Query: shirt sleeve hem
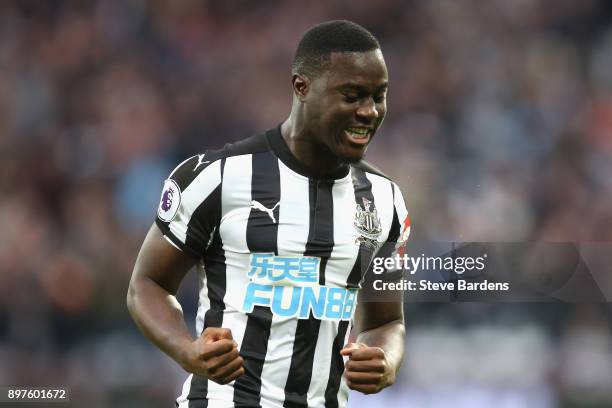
x=177, y=243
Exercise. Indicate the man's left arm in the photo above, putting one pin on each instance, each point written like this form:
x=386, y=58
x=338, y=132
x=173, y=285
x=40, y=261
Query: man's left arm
x=377, y=353
x=378, y=350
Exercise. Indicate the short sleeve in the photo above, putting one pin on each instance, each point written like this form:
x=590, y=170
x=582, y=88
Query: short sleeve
x=400, y=228
x=190, y=204
x=398, y=233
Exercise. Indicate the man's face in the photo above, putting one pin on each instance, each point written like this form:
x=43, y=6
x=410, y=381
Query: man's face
x=346, y=104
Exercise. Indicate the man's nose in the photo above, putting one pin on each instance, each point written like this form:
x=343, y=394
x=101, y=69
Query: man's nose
x=367, y=110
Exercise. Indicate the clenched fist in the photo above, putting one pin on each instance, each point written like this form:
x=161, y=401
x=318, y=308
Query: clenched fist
x=214, y=355
x=367, y=369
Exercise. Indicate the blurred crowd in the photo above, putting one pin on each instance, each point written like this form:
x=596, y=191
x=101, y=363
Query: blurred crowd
x=499, y=128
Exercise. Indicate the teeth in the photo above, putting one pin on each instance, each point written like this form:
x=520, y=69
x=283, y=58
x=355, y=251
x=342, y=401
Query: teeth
x=359, y=132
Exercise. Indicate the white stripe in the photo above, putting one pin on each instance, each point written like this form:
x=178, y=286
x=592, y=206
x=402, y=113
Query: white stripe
x=322, y=363
x=235, y=208
x=402, y=212
x=338, y=268
x=195, y=193
x=293, y=222
x=236, y=322
x=345, y=249
x=182, y=399
x=236, y=203
x=203, y=300
x=343, y=391
x=294, y=213
x=383, y=200
x=278, y=360
x=400, y=205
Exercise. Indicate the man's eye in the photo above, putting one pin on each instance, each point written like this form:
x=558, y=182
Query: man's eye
x=351, y=98
x=379, y=98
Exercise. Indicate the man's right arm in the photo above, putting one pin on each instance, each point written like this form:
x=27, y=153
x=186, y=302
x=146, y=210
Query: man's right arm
x=159, y=270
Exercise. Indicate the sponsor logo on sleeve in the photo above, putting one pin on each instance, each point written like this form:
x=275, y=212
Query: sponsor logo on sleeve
x=169, y=202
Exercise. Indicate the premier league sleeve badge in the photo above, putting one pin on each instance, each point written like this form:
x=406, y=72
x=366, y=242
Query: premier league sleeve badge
x=169, y=202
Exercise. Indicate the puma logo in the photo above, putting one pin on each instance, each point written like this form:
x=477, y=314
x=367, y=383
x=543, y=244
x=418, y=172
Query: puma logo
x=200, y=162
x=270, y=211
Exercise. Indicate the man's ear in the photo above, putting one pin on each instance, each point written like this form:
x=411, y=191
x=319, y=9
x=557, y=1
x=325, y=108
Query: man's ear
x=301, y=86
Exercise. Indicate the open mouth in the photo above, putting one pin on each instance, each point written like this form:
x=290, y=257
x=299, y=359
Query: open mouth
x=358, y=135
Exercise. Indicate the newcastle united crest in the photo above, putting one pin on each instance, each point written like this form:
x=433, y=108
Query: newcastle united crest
x=367, y=224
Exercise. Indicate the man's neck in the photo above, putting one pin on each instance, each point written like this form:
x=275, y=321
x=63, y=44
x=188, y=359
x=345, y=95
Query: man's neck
x=315, y=158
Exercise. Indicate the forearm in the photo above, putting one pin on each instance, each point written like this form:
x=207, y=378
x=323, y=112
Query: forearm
x=159, y=316
x=390, y=337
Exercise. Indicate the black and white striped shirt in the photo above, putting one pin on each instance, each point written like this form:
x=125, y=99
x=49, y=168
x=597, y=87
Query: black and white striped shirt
x=281, y=262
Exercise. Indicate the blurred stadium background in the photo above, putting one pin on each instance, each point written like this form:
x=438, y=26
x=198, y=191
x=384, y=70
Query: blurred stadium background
x=499, y=129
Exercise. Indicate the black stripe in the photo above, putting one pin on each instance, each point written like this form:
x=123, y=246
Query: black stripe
x=198, y=389
x=363, y=189
x=216, y=281
x=185, y=173
x=336, y=367
x=320, y=243
x=388, y=248
x=247, y=388
x=213, y=317
x=300, y=371
x=321, y=230
x=203, y=222
x=222, y=167
x=394, y=232
x=262, y=231
x=261, y=236
x=214, y=264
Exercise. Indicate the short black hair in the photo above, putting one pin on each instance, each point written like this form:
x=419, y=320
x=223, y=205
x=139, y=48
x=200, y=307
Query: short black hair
x=312, y=56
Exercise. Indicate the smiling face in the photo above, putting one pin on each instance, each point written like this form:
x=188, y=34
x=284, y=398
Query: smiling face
x=344, y=106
